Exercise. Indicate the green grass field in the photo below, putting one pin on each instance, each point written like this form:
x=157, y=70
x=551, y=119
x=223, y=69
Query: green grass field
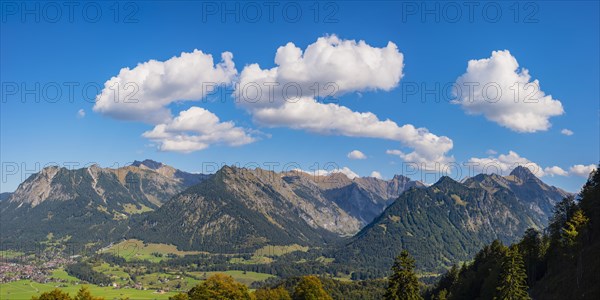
x=132, y=209
x=279, y=250
x=25, y=289
x=136, y=249
x=116, y=273
x=63, y=275
x=239, y=276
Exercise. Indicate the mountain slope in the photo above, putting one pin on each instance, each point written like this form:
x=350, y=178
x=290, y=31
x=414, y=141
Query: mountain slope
x=77, y=203
x=526, y=187
x=185, y=178
x=4, y=196
x=367, y=197
x=364, y=198
x=443, y=224
x=240, y=209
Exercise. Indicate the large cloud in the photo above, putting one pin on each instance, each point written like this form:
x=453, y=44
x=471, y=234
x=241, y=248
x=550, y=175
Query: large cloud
x=143, y=93
x=284, y=96
x=328, y=67
x=496, y=88
x=333, y=119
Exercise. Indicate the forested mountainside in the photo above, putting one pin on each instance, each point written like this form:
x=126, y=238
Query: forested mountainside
x=561, y=262
x=449, y=221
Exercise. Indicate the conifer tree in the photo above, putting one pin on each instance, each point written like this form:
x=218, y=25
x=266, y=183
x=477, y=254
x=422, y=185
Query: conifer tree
x=590, y=202
x=573, y=228
x=403, y=283
x=512, y=284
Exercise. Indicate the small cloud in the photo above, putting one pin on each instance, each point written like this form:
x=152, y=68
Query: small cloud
x=491, y=152
x=80, y=113
x=376, y=175
x=355, y=154
x=555, y=171
x=345, y=170
x=504, y=163
x=567, y=132
x=582, y=170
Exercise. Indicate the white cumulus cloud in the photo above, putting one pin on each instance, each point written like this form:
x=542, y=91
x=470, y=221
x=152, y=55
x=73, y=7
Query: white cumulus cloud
x=555, y=171
x=345, y=170
x=80, y=113
x=333, y=119
x=143, y=93
x=504, y=164
x=567, y=132
x=196, y=129
x=288, y=95
x=329, y=67
x=496, y=88
x=376, y=175
x=356, y=154
x=582, y=170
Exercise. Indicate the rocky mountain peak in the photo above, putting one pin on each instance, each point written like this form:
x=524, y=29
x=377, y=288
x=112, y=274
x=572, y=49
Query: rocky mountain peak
x=445, y=180
x=401, y=178
x=523, y=173
x=148, y=163
x=39, y=187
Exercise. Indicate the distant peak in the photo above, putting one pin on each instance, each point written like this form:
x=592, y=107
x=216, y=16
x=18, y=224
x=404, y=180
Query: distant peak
x=446, y=180
x=400, y=178
x=94, y=167
x=151, y=164
x=522, y=173
x=226, y=169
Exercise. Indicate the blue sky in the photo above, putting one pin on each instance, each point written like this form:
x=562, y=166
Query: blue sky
x=557, y=42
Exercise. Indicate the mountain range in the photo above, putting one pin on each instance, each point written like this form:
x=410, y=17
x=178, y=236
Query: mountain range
x=363, y=221
x=80, y=203
x=450, y=221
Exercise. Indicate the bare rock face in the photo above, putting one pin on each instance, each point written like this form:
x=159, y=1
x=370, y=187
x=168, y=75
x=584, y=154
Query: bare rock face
x=39, y=187
x=185, y=178
x=365, y=198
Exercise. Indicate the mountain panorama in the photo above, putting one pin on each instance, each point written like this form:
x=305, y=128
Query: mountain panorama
x=149, y=225
x=360, y=221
